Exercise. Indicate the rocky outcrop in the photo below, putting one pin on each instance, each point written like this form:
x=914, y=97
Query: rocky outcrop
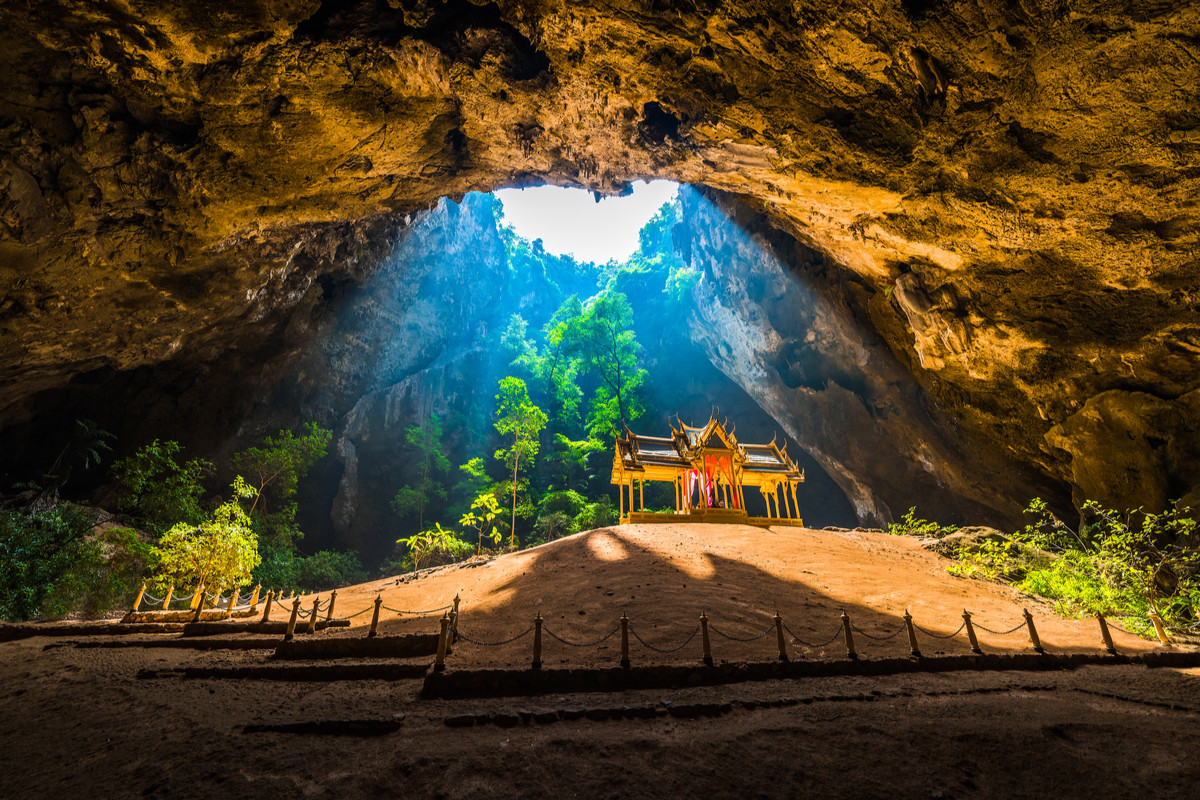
x=1005, y=192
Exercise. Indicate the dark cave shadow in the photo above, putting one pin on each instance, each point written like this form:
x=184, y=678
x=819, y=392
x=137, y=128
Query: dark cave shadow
x=738, y=597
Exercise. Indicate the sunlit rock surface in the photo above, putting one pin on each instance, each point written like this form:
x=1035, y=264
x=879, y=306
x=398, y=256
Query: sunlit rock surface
x=1002, y=197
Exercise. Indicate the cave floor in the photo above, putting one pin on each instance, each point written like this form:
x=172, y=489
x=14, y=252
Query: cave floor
x=79, y=722
x=86, y=721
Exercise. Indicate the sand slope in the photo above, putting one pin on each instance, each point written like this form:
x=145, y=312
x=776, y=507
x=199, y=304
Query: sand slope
x=663, y=576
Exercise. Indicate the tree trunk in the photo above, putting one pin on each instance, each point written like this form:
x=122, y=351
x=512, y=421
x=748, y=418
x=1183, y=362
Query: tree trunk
x=512, y=535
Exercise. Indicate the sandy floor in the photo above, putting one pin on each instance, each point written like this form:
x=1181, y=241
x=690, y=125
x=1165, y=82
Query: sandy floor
x=79, y=722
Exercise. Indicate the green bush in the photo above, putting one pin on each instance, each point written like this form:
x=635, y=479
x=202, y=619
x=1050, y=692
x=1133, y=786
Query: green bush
x=49, y=566
x=329, y=569
x=1123, y=564
x=433, y=547
x=284, y=568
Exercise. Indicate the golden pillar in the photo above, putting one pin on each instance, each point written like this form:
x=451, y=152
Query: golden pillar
x=704, y=640
x=267, y=607
x=912, y=635
x=1033, y=634
x=291, y=628
x=971, y=633
x=439, y=663
x=371, y=634
x=846, y=628
x=1105, y=635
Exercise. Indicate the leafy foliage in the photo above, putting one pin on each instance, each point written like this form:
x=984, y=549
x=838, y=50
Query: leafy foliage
x=1119, y=563
x=911, y=525
x=427, y=441
x=274, y=470
x=157, y=489
x=86, y=448
x=432, y=547
x=283, y=568
x=221, y=552
x=50, y=565
x=519, y=418
x=483, y=512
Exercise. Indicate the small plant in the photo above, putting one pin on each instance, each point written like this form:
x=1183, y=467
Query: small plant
x=433, y=547
x=1124, y=564
x=910, y=525
x=481, y=516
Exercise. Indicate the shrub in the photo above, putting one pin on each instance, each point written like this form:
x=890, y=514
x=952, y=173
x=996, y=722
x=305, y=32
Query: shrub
x=329, y=569
x=220, y=552
x=1119, y=563
x=910, y=525
x=50, y=565
x=429, y=548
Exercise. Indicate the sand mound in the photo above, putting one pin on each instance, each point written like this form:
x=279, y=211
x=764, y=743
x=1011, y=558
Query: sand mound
x=664, y=576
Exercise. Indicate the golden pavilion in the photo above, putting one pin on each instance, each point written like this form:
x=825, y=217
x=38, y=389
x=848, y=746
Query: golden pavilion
x=710, y=469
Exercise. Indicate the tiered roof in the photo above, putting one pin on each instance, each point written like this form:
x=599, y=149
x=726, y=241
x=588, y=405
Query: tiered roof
x=688, y=444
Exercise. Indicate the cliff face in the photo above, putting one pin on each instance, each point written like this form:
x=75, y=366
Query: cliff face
x=998, y=200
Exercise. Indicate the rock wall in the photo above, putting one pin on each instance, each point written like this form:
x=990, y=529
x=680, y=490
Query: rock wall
x=1005, y=192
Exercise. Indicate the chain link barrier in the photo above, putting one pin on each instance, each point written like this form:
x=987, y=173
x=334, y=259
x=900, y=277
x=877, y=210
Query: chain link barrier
x=602, y=639
x=720, y=633
x=998, y=633
x=837, y=632
x=933, y=635
x=891, y=635
x=466, y=638
x=679, y=646
x=418, y=613
x=359, y=613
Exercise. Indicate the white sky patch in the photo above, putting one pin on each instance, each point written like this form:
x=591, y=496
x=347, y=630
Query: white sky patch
x=571, y=221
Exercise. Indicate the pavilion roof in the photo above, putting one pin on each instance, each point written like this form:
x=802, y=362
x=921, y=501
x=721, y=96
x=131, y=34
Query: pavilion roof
x=688, y=443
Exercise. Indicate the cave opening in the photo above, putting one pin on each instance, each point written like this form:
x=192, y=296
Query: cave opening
x=403, y=363
x=515, y=284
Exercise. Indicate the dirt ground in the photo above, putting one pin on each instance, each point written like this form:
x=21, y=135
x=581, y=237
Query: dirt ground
x=79, y=721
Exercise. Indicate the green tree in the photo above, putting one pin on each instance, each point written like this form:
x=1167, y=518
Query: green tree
x=84, y=449
x=518, y=417
x=274, y=470
x=570, y=456
x=608, y=344
x=427, y=439
x=220, y=552
x=159, y=490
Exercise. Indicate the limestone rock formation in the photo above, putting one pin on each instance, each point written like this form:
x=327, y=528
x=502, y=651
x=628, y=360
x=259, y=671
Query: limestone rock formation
x=1001, y=195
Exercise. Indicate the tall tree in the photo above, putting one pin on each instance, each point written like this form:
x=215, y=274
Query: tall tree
x=607, y=342
x=274, y=469
x=518, y=417
x=427, y=440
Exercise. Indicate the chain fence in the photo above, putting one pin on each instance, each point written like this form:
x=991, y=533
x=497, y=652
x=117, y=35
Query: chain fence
x=998, y=633
x=679, y=646
x=873, y=637
x=723, y=635
x=933, y=635
x=466, y=638
x=601, y=640
x=837, y=632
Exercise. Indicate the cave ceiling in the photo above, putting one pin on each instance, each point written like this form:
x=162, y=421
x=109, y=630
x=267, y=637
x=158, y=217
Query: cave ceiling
x=1005, y=190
